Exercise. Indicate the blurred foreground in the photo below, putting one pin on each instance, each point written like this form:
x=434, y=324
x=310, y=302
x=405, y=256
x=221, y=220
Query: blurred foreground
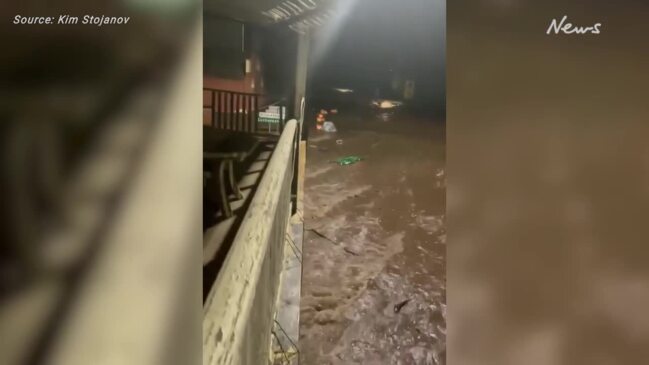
x=99, y=202
x=548, y=174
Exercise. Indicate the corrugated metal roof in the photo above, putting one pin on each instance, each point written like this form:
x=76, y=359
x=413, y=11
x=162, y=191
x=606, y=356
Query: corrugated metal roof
x=298, y=15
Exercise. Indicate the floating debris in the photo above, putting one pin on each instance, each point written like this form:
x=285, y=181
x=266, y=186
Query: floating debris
x=348, y=160
x=322, y=236
x=350, y=251
x=329, y=126
x=400, y=305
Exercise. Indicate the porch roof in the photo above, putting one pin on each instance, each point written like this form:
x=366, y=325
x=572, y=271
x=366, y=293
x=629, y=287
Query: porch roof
x=298, y=15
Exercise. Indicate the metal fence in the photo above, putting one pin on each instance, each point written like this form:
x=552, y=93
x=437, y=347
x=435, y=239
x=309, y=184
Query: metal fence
x=238, y=313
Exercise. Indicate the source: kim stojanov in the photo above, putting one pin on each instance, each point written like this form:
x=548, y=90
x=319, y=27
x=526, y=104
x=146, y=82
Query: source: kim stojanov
x=71, y=20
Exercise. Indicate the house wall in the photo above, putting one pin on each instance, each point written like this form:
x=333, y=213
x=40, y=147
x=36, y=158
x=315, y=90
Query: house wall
x=231, y=60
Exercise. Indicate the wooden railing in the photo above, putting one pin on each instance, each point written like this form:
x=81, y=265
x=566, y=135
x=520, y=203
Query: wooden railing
x=239, y=112
x=239, y=310
x=231, y=110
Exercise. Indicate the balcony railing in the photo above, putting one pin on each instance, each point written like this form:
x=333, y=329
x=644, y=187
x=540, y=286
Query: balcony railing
x=238, y=312
x=232, y=110
x=237, y=111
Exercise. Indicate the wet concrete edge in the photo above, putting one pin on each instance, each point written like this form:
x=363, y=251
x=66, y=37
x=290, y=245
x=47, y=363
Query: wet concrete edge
x=287, y=319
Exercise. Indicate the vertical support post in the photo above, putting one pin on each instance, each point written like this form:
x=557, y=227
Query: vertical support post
x=294, y=182
x=281, y=118
x=248, y=113
x=256, y=110
x=237, y=101
x=233, y=120
x=213, y=109
x=301, y=72
x=226, y=106
x=239, y=124
x=244, y=125
x=239, y=112
x=220, y=110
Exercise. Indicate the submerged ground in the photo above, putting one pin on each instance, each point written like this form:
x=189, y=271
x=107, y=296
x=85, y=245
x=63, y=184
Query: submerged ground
x=373, y=287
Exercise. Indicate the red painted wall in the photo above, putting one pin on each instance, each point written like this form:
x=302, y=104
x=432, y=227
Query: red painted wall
x=252, y=83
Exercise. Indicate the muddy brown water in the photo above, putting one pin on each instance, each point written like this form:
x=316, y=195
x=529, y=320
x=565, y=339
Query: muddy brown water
x=373, y=288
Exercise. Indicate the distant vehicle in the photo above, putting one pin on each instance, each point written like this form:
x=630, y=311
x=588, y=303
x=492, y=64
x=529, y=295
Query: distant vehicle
x=343, y=91
x=340, y=97
x=385, y=104
x=344, y=99
x=385, y=109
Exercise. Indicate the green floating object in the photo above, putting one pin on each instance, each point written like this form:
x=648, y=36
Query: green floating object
x=348, y=160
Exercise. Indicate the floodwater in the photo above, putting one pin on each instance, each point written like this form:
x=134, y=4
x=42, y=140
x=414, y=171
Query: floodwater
x=373, y=289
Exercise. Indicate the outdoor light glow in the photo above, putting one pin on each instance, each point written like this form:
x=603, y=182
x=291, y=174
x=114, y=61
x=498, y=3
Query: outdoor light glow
x=328, y=34
x=386, y=104
x=344, y=91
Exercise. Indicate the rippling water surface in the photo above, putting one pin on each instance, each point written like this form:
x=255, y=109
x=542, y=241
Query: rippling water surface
x=374, y=287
